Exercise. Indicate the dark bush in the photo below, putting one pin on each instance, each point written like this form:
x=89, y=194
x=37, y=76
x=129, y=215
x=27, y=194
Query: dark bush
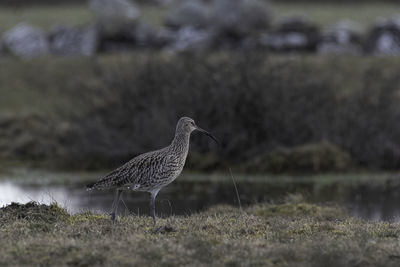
x=256, y=105
x=319, y=157
x=249, y=103
x=253, y=104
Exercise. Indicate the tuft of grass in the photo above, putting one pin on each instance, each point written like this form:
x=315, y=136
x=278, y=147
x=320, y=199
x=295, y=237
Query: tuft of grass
x=33, y=212
x=289, y=234
x=86, y=217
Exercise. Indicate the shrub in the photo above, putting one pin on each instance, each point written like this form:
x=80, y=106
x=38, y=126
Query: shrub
x=259, y=106
x=255, y=105
x=319, y=157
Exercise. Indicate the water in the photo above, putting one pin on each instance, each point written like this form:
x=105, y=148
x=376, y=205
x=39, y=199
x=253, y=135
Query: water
x=372, y=197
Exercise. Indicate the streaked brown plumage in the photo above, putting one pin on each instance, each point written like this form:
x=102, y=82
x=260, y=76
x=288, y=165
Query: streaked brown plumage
x=150, y=172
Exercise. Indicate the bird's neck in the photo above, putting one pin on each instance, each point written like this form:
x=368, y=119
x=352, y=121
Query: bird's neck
x=180, y=144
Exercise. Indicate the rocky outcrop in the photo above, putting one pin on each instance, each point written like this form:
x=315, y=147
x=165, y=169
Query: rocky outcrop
x=292, y=34
x=240, y=18
x=26, y=41
x=384, y=37
x=190, y=13
x=342, y=38
x=201, y=25
x=188, y=38
x=127, y=38
x=114, y=15
x=74, y=41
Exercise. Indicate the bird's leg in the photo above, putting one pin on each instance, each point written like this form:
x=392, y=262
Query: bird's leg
x=115, y=204
x=153, y=195
x=161, y=229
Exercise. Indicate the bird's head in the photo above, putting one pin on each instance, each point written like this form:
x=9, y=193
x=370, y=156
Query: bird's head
x=186, y=124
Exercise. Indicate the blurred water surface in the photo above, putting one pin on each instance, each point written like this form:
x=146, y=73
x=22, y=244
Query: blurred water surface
x=369, y=196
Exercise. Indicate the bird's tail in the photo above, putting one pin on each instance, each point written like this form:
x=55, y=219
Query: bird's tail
x=105, y=183
x=90, y=187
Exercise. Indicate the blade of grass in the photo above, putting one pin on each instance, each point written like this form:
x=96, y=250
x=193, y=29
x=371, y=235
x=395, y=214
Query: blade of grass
x=237, y=192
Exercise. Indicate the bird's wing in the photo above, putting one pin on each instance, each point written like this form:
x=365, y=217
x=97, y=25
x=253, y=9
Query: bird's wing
x=134, y=171
x=112, y=179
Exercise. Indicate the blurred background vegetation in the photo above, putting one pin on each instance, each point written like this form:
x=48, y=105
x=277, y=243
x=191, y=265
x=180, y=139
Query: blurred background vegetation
x=47, y=13
x=303, y=94
x=288, y=86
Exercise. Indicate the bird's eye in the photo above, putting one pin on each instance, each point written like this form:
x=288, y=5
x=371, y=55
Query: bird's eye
x=192, y=123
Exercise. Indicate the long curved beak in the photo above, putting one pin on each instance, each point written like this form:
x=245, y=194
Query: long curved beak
x=208, y=134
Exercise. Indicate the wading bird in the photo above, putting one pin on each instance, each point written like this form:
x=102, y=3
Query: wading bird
x=150, y=172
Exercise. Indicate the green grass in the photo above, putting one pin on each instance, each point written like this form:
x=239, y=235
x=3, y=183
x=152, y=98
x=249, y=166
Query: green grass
x=45, y=85
x=323, y=14
x=288, y=234
x=329, y=13
x=153, y=14
x=45, y=16
x=48, y=16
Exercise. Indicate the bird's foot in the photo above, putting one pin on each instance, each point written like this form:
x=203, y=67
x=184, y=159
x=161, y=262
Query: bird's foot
x=112, y=217
x=163, y=229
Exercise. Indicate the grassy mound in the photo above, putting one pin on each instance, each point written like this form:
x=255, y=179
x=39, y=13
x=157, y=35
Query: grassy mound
x=288, y=234
x=32, y=211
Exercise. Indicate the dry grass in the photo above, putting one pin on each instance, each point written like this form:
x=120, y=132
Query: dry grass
x=288, y=234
